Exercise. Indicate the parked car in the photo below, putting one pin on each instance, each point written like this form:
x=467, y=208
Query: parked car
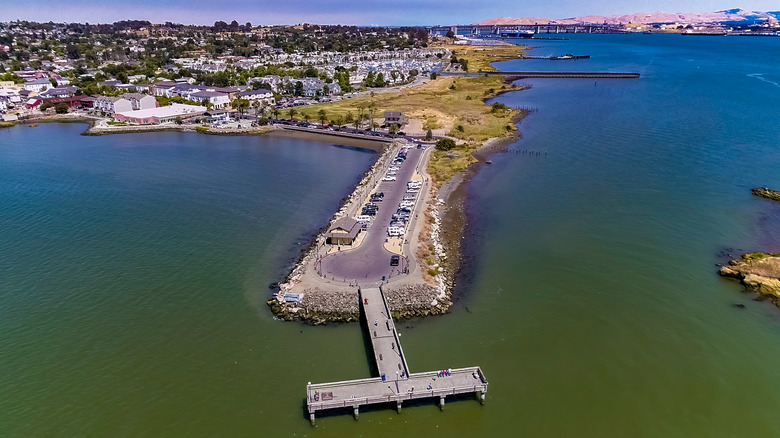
x=389, y=178
x=394, y=260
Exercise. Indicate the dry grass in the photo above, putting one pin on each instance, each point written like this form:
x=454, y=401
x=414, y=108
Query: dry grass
x=436, y=104
x=480, y=57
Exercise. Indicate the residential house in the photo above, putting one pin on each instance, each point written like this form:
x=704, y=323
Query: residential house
x=261, y=95
x=59, y=92
x=394, y=118
x=215, y=98
x=163, y=88
x=140, y=101
x=38, y=85
x=111, y=105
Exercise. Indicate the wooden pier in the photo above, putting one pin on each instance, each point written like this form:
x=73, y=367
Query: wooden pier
x=395, y=383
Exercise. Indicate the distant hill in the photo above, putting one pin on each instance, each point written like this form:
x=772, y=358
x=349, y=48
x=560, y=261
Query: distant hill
x=726, y=16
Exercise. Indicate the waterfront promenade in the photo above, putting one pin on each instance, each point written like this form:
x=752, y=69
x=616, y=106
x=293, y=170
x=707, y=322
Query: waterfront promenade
x=395, y=383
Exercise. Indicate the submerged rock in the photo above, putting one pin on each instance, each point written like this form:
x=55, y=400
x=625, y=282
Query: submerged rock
x=766, y=193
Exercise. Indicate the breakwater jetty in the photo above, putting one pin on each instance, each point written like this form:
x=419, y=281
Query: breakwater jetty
x=395, y=382
x=565, y=57
x=564, y=74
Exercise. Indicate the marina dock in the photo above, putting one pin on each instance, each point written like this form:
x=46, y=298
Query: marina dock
x=395, y=382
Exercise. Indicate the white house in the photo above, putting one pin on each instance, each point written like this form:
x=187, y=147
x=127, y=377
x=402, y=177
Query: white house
x=38, y=85
x=215, y=98
x=260, y=95
x=140, y=101
x=111, y=105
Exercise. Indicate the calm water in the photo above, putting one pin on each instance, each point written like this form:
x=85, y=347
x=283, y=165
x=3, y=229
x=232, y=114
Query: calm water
x=134, y=268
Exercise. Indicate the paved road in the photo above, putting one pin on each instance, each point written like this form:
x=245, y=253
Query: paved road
x=370, y=261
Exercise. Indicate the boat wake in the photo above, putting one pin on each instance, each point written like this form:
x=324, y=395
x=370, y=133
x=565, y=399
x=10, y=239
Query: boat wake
x=760, y=76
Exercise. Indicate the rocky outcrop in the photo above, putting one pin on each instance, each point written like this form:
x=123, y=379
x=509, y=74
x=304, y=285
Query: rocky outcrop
x=764, y=192
x=759, y=272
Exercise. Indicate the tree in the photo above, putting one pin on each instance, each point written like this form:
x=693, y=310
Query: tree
x=450, y=34
x=445, y=144
x=292, y=113
x=380, y=80
x=393, y=128
x=349, y=118
x=240, y=105
x=322, y=116
x=429, y=135
x=433, y=75
x=371, y=112
x=306, y=117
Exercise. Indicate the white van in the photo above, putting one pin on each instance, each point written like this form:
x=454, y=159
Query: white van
x=395, y=231
x=363, y=218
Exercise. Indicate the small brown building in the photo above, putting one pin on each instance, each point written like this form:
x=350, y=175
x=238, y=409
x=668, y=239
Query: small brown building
x=343, y=232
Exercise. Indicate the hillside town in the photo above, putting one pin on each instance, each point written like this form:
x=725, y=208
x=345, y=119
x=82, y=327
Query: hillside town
x=139, y=73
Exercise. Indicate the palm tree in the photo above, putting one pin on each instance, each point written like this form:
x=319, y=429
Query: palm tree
x=292, y=112
x=371, y=112
x=306, y=117
x=349, y=118
x=361, y=107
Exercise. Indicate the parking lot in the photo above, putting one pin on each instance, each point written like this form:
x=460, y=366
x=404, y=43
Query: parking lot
x=387, y=214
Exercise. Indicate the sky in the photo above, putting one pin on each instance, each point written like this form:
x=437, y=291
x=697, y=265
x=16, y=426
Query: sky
x=365, y=12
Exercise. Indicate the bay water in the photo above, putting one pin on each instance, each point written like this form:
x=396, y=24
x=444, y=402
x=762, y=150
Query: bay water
x=134, y=268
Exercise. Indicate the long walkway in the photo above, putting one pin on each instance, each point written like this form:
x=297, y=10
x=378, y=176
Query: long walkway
x=395, y=383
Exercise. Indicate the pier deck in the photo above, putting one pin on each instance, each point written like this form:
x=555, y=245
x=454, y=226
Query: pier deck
x=395, y=383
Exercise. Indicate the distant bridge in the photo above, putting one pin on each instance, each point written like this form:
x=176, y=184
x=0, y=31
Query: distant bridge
x=499, y=29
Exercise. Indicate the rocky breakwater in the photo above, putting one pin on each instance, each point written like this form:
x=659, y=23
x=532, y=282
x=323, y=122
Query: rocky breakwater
x=416, y=300
x=759, y=272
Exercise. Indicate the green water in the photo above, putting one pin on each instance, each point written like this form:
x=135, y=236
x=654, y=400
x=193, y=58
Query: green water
x=134, y=268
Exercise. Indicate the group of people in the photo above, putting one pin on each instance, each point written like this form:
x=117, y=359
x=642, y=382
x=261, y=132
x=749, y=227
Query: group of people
x=444, y=373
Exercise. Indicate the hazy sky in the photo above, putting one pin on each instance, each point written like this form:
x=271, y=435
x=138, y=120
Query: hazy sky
x=366, y=12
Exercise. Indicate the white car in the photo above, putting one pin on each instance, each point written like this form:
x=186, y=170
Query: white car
x=394, y=168
x=407, y=204
x=363, y=218
x=389, y=178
